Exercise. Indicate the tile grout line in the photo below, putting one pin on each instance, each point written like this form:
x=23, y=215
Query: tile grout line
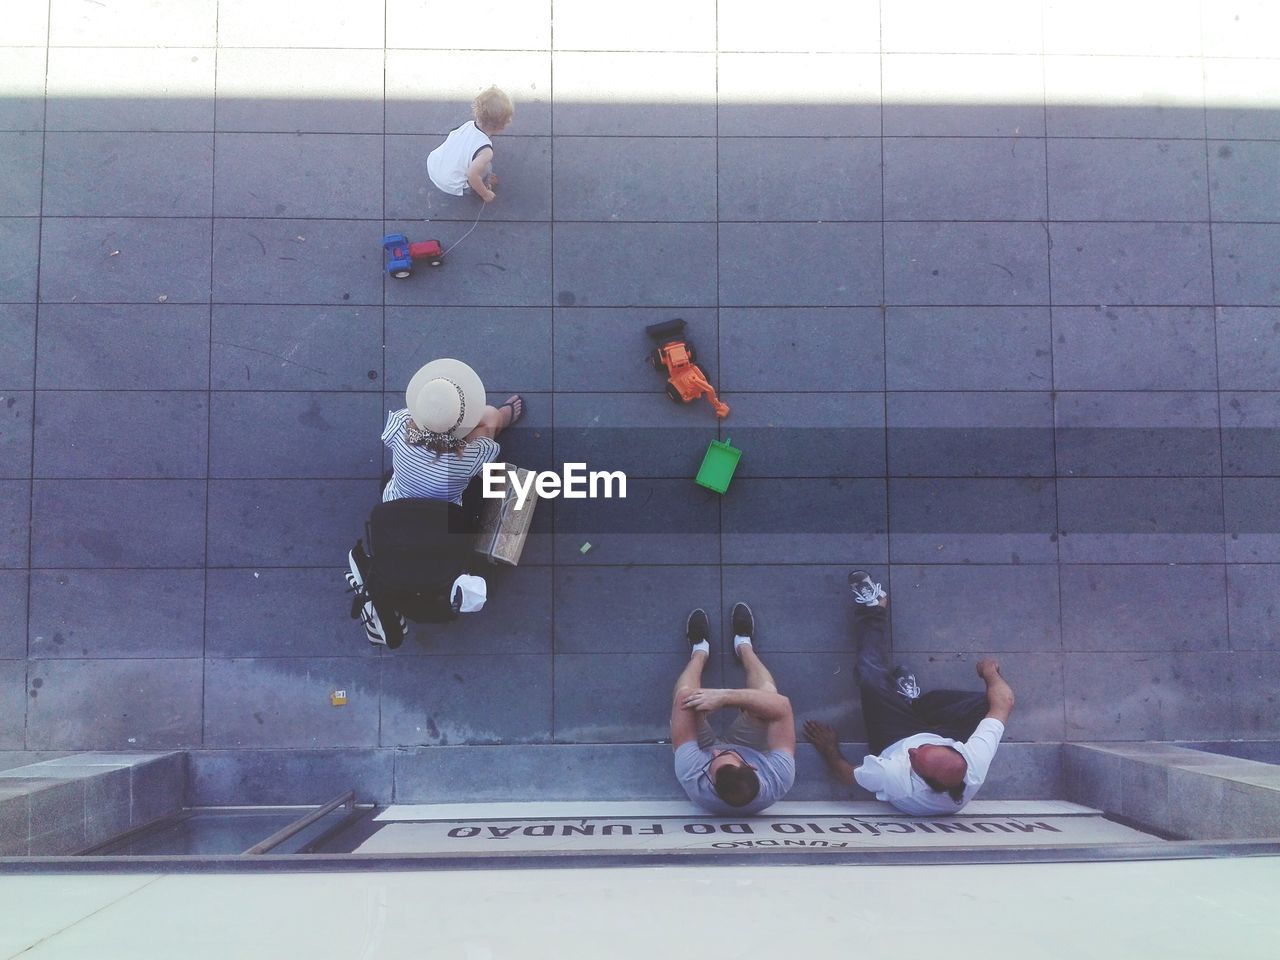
x=720, y=432
x=551, y=252
x=382, y=660
x=884, y=336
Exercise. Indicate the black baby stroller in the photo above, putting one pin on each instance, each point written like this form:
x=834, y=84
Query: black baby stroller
x=416, y=550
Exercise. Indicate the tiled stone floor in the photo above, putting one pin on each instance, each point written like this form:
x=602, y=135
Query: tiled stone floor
x=992, y=290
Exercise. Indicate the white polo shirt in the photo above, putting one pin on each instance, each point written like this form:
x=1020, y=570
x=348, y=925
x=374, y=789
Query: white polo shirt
x=890, y=777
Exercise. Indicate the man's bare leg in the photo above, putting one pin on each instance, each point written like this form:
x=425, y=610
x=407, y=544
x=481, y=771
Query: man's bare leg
x=758, y=675
x=691, y=677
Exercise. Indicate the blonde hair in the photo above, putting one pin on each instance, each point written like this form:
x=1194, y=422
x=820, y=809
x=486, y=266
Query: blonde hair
x=492, y=109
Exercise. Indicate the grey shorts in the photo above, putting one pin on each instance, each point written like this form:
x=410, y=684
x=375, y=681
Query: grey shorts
x=745, y=731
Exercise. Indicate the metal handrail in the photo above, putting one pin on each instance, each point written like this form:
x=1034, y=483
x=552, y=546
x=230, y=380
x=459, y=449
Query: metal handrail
x=283, y=834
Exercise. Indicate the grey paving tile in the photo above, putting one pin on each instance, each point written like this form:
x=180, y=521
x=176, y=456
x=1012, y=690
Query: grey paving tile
x=118, y=523
x=19, y=249
x=798, y=178
x=1131, y=263
x=286, y=347
x=823, y=348
x=1134, y=348
x=1132, y=607
x=770, y=94
x=97, y=347
x=506, y=263
x=295, y=435
x=1130, y=520
x=294, y=261
x=17, y=346
x=641, y=434
x=450, y=700
x=128, y=175
x=578, y=27
x=1037, y=680
x=523, y=169
x=969, y=178
x=646, y=612
x=1253, y=691
x=22, y=71
x=1252, y=510
x=988, y=95
x=1230, y=86
x=222, y=777
x=13, y=703
x=15, y=822
x=281, y=613
x=298, y=175
x=15, y=434
x=1127, y=180
x=996, y=348
x=635, y=178
x=805, y=521
x=963, y=520
x=107, y=805
x=619, y=697
x=1138, y=434
x=635, y=264
x=242, y=23
x=1137, y=696
x=287, y=702
x=13, y=614
x=529, y=444
x=430, y=91
x=20, y=153
x=516, y=618
x=668, y=94
x=1239, y=31
x=140, y=272
x=510, y=347
x=57, y=819
x=604, y=349
x=1139, y=96
x=820, y=686
x=15, y=522
x=970, y=434
x=798, y=609
x=28, y=24
x=75, y=25
x=160, y=434
x=1244, y=259
x=521, y=26
x=808, y=447
x=1240, y=180
x=976, y=609
x=116, y=613
x=1252, y=607
x=918, y=25
x=1027, y=771
x=661, y=521
x=966, y=263
x=1251, y=434
x=276, y=523
x=1129, y=30
x=1248, y=348
x=132, y=704
x=842, y=264
x=185, y=104
x=292, y=90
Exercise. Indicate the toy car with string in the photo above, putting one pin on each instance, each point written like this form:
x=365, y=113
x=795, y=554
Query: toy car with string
x=675, y=354
x=400, y=255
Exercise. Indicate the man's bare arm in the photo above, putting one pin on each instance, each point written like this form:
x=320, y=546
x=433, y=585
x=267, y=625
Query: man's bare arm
x=999, y=694
x=773, y=709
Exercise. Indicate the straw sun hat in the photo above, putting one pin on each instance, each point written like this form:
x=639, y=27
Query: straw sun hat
x=446, y=396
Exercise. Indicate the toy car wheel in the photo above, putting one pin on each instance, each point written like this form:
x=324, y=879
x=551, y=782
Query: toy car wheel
x=401, y=274
x=655, y=358
x=435, y=263
x=674, y=394
x=693, y=354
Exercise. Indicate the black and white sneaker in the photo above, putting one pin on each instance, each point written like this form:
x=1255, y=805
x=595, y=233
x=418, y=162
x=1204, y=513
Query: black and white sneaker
x=387, y=628
x=358, y=567
x=698, y=627
x=904, y=683
x=865, y=591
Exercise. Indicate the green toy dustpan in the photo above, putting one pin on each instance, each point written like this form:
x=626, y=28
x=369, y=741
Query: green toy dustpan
x=718, y=466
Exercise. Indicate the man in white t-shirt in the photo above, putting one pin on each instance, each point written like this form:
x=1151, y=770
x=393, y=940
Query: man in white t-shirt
x=752, y=764
x=929, y=753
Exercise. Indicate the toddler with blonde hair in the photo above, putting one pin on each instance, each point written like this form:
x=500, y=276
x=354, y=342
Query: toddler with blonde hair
x=465, y=160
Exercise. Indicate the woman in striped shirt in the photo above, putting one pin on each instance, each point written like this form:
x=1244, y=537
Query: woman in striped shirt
x=445, y=434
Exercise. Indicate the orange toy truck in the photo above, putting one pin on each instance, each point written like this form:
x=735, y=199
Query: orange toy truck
x=676, y=355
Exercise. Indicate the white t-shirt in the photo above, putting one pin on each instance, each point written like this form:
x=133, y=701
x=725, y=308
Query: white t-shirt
x=890, y=777
x=447, y=164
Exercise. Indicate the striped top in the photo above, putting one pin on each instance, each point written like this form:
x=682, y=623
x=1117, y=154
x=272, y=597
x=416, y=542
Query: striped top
x=419, y=472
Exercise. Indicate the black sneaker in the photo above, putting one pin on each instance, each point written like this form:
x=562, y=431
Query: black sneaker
x=698, y=627
x=743, y=621
x=904, y=682
x=865, y=590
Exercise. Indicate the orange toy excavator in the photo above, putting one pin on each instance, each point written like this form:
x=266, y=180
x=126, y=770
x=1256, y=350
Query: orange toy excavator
x=675, y=354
